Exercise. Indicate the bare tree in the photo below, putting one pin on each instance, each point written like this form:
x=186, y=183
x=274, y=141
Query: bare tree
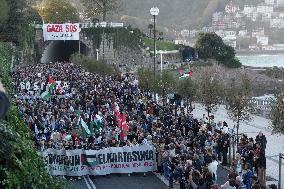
x=238, y=97
x=163, y=84
x=210, y=88
x=187, y=89
x=277, y=113
x=101, y=7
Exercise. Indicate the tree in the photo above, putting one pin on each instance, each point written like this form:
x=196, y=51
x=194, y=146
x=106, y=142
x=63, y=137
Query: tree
x=4, y=11
x=187, y=89
x=93, y=66
x=20, y=164
x=58, y=11
x=210, y=89
x=238, y=96
x=277, y=113
x=11, y=30
x=163, y=84
x=101, y=7
x=211, y=46
x=145, y=78
x=226, y=53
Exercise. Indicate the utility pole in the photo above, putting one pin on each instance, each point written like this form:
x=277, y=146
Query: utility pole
x=154, y=12
x=154, y=46
x=79, y=45
x=281, y=156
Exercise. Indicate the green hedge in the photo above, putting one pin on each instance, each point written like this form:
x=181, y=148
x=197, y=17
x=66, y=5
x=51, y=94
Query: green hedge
x=121, y=37
x=20, y=165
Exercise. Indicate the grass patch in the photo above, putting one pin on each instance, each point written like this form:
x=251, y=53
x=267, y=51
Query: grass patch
x=161, y=45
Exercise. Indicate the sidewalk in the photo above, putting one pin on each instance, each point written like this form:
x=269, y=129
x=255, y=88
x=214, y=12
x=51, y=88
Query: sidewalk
x=275, y=143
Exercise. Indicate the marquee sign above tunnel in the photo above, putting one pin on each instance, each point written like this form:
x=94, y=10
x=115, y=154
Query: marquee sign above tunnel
x=61, y=32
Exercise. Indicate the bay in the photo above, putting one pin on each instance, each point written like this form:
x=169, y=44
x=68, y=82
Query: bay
x=262, y=60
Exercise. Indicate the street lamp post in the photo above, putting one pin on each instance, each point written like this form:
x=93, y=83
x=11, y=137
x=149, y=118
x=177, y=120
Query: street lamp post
x=281, y=156
x=154, y=12
x=161, y=55
x=97, y=50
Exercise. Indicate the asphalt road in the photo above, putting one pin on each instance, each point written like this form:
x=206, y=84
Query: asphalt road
x=119, y=181
x=135, y=181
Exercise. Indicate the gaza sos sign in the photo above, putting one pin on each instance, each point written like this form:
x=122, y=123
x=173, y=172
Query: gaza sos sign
x=64, y=32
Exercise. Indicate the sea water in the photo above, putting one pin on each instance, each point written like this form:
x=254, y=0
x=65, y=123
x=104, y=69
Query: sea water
x=262, y=60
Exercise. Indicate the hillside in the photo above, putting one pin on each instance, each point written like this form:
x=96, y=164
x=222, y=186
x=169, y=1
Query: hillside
x=178, y=14
x=174, y=15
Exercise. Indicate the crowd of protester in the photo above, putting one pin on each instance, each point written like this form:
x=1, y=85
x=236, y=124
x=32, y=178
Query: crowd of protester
x=189, y=150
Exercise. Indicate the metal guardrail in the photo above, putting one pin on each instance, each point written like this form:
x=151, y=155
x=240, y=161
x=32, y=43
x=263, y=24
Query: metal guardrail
x=91, y=25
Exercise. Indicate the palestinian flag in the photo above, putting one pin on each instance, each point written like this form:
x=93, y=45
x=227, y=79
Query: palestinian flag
x=180, y=72
x=89, y=160
x=185, y=76
x=51, y=83
x=98, y=122
x=82, y=123
x=47, y=94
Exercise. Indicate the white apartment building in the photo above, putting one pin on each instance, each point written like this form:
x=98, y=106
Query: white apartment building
x=280, y=2
x=180, y=42
x=267, y=16
x=217, y=16
x=231, y=8
x=248, y=10
x=239, y=15
x=262, y=40
x=276, y=23
x=193, y=33
x=231, y=43
x=263, y=9
x=243, y=33
x=258, y=32
x=207, y=29
x=270, y=2
x=185, y=33
x=281, y=15
x=220, y=33
x=230, y=35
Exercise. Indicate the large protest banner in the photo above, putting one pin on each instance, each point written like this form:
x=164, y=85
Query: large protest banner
x=100, y=162
x=67, y=31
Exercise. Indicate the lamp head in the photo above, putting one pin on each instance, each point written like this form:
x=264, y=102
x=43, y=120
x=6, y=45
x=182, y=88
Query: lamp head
x=154, y=11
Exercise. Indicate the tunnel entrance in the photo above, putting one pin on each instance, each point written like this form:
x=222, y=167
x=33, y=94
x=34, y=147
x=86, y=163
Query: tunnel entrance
x=60, y=51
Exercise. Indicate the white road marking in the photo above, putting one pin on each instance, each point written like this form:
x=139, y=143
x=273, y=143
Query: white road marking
x=87, y=183
x=91, y=182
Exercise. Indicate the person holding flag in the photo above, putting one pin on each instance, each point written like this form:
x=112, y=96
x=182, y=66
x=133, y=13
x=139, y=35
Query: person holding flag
x=82, y=124
x=49, y=89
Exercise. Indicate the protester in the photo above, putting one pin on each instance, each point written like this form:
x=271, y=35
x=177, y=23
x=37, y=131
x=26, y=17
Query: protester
x=66, y=107
x=4, y=101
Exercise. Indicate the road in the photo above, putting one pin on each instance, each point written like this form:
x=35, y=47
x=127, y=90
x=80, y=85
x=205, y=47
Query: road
x=117, y=181
x=137, y=181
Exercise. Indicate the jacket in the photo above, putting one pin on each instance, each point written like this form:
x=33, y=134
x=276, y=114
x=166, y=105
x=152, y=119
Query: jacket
x=4, y=104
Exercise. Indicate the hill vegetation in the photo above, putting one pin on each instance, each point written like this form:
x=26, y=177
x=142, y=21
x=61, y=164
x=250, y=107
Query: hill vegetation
x=174, y=15
x=177, y=14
